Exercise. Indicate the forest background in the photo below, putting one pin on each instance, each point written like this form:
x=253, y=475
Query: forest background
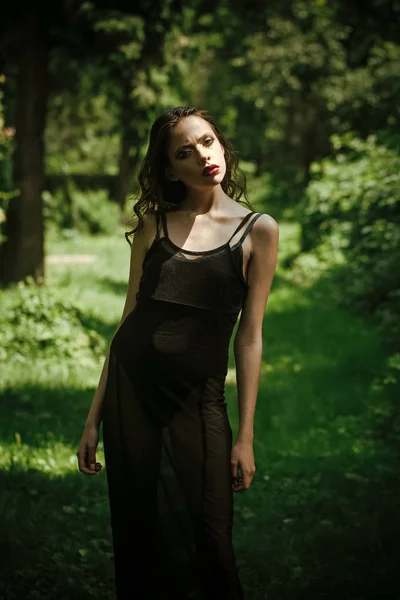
x=308, y=93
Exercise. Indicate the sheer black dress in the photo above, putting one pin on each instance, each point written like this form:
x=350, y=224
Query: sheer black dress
x=166, y=433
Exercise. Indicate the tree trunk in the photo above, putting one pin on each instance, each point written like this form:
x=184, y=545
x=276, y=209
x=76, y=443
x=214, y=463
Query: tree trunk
x=22, y=254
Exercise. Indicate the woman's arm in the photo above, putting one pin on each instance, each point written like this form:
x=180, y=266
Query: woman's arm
x=140, y=245
x=248, y=343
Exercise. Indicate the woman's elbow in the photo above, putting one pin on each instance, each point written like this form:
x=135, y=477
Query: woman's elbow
x=248, y=338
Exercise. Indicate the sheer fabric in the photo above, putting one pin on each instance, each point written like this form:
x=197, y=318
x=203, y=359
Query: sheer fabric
x=166, y=432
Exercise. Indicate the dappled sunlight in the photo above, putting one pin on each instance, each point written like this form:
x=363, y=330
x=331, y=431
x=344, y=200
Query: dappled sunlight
x=54, y=458
x=56, y=259
x=321, y=470
x=306, y=94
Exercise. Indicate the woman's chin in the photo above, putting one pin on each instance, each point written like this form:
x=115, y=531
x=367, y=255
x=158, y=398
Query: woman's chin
x=206, y=181
x=213, y=180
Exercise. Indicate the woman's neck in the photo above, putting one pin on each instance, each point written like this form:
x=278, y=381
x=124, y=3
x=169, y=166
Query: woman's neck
x=202, y=202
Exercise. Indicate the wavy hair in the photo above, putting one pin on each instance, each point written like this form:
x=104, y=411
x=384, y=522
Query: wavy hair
x=156, y=191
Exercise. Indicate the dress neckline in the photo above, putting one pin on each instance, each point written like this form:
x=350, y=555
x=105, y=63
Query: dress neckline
x=220, y=248
x=184, y=251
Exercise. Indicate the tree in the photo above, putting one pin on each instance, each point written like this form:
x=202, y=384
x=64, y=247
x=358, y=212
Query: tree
x=23, y=251
x=36, y=34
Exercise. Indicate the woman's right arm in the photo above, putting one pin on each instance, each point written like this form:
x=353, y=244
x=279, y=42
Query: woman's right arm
x=87, y=448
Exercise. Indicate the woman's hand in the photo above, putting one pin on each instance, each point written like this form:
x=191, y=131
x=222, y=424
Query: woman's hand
x=87, y=451
x=243, y=467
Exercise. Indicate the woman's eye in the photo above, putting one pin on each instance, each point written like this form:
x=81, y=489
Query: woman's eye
x=186, y=153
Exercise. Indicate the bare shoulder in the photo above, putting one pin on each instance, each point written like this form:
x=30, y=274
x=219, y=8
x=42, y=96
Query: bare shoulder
x=146, y=234
x=265, y=227
x=264, y=237
x=150, y=221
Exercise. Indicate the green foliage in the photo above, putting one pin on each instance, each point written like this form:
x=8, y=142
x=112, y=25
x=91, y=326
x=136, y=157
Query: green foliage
x=354, y=198
x=37, y=323
x=265, y=79
x=285, y=77
x=82, y=126
x=364, y=97
x=280, y=81
x=88, y=211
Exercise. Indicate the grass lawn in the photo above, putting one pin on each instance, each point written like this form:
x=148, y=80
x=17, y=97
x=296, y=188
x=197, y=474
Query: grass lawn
x=321, y=519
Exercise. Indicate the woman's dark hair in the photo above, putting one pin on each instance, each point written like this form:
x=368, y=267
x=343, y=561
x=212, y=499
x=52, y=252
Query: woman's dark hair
x=157, y=192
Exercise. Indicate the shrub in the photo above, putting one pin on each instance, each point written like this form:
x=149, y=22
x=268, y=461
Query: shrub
x=88, y=212
x=354, y=198
x=37, y=322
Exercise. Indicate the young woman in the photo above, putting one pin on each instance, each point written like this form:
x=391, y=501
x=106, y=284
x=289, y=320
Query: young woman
x=199, y=257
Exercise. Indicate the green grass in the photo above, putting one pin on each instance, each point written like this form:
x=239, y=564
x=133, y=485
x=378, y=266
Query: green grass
x=320, y=520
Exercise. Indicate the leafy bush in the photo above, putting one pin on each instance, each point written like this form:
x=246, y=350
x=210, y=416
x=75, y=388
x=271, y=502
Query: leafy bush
x=354, y=198
x=36, y=322
x=88, y=212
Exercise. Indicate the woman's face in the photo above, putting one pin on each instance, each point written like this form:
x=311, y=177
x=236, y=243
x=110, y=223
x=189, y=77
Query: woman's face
x=192, y=148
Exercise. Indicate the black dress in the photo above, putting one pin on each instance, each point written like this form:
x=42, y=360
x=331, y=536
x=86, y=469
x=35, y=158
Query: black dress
x=166, y=432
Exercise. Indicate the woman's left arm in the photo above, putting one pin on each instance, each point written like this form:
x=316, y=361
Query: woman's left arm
x=248, y=344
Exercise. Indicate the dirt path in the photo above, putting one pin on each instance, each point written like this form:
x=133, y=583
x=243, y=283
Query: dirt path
x=58, y=259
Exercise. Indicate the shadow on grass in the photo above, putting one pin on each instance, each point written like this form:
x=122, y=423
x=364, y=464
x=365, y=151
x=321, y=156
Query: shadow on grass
x=321, y=528
x=321, y=518
x=313, y=529
x=55, y=537
x=42, y=416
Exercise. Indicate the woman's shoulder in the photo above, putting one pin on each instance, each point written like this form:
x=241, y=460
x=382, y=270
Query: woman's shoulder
x=264, y=222
x=149, y=226
x=265, y=231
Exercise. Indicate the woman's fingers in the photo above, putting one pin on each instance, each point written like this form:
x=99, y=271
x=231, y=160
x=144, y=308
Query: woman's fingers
x=234, y=469
x=236, y=476
x=85, y=459
x=87, y=451
x=82, y=461
x=91, y=457
x=243, y=481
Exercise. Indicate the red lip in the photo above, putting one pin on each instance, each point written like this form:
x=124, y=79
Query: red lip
x=211, y=170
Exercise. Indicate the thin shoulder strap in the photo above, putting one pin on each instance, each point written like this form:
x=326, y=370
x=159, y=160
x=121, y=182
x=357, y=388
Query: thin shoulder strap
x=164, y=224
x=157, y=214
x=249, y=227
x=160, y=219
x=239, y=227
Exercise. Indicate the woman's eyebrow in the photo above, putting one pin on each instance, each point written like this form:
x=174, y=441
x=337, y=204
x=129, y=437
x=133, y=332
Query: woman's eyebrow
x=188, y=145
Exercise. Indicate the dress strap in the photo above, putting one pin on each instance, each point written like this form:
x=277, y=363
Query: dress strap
x=161, y=224
x=160, y=217
x=164, y=224
x=157, y=214
x=239, y=227
x=244, y=221
x=248, y=228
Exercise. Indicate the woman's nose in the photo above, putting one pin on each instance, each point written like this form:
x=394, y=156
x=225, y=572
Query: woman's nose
x=204, y=155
